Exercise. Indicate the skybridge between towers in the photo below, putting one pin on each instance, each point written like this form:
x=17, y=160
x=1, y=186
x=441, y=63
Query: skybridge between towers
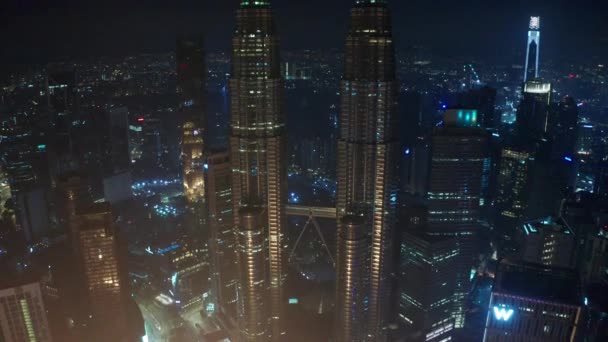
x=312, y=213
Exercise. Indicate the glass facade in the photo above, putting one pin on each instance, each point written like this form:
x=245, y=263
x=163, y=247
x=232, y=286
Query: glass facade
x=367, y=147
x=259, y=156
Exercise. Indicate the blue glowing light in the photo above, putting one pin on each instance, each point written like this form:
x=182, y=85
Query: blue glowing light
x=444, y=106
x=206, y=166
x=568, y=159
x=503, y=314
x=293, y=300
x=407, y=151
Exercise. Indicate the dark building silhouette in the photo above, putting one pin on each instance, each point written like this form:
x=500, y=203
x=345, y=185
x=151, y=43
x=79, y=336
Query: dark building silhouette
x=223, y=239
x=458, y=152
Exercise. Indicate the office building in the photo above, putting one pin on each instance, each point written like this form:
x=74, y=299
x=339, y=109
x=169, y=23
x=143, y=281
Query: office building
x=23, y=316
x=458, y=152
x=352, y=281
x=532, y=302
x=512, y=190
x=33, y=213
x=223, y=238
x=550, y=242
x=533, y=112
x=367, y=147
x=532, y=50
x=482, y=99
x=427, y=283
x=102, y=262
x=258, y=150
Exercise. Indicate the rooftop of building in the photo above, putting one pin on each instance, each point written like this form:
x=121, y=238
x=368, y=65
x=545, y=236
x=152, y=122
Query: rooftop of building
x=538, y=282
x=547, y=225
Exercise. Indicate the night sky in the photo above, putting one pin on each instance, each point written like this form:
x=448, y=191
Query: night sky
x=36, y=31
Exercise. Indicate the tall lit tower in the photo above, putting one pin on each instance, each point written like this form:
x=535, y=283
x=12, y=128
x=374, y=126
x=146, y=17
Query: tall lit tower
x=532, y=50
x=258, y=141
x=367, y=145
x=352, y=281
x=191, y=76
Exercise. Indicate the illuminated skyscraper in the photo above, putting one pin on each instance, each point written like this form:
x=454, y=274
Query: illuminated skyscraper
x=532, y=50
x=258, y=146
x=353, y=280
x=221, y=224
x=102, y=260
x=458, y=152
x=367, y=146
x=191, y=76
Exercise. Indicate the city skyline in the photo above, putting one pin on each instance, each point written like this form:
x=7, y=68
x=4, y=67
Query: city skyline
x=401, y=172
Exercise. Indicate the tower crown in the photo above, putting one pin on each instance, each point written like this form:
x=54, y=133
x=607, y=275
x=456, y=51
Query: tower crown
x=254, y=3
x=534, y=23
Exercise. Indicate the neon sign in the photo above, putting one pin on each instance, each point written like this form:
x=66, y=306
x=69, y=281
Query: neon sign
x=502, y=314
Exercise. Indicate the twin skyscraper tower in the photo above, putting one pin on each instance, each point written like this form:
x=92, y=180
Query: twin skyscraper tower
x=367, y=189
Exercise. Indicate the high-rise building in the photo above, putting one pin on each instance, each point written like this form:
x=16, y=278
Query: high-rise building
x=458, y=152
x=102, y=260
x=23, y=316
x=223, y=239
x=533, y=112
x=532, y=50
x=367, y=147
x=531, y=302
x=63, y=110
x=563, y=127
x=512, y=192
x=550, y=242
x=252, y=254
x=427, y=285
x=482, y=99
x=191, y=89
x=258, y=150
x=352, y=280
x=116, y=160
